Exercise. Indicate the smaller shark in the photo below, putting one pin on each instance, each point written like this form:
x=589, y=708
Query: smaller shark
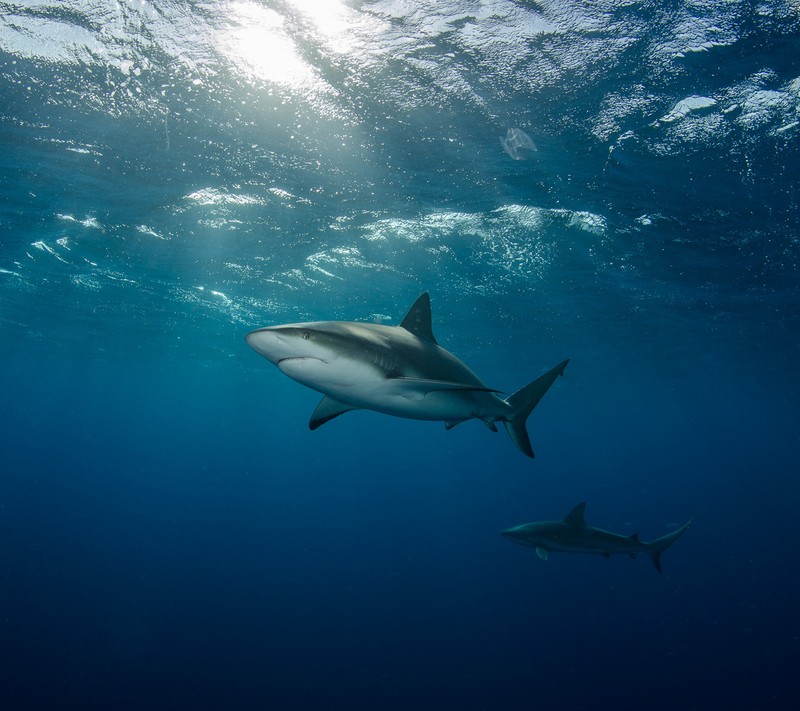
x=572, y=535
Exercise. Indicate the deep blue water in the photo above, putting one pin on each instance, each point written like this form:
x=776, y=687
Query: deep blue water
x=176, y=174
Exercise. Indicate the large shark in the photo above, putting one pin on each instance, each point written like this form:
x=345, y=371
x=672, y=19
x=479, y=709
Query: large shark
x=572, y=535
x=397, y=370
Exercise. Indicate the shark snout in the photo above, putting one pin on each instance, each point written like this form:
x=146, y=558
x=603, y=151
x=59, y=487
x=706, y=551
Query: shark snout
x=264, y=342
x=511, y=533
x=274, y=343
x=518, y=534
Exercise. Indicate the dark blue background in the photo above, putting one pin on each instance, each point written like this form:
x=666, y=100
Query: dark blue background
x=173, y=535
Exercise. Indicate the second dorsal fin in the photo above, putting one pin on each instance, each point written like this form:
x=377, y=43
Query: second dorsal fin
x=418, y=318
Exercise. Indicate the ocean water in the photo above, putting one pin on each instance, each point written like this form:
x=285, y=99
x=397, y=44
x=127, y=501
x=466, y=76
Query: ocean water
x=612, y=182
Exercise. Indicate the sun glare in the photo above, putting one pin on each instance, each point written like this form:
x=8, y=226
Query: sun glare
x=330, y=17
x=341, y=28
x=256, y=41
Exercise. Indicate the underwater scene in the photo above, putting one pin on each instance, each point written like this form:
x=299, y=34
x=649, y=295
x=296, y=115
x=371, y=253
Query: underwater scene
x=399, y=354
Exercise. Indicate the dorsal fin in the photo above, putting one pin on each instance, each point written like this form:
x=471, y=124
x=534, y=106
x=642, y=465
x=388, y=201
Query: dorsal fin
x=418, y=318
x=575, y=517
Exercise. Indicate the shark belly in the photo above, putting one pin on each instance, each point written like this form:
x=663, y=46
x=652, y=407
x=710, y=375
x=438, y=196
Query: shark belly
x=363, y=385
x=595, y=541
x=405, y=398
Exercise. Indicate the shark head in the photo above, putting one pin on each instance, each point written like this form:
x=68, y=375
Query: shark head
x=549, y=535
x=324, y=356
x=534, y=535
x=528, y=534
x=283, y=343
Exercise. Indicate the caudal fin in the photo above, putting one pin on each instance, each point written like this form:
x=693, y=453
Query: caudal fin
x=522, y=403
x=658, y=546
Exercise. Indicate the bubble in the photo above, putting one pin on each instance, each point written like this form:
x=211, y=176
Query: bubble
x=518, y=144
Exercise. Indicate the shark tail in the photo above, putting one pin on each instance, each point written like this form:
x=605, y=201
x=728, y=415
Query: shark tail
x=522, y=403
x=658, y=546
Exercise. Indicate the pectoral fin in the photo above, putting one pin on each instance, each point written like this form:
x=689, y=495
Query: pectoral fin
x=327, y=409
x=449, y=424
x=541, y=552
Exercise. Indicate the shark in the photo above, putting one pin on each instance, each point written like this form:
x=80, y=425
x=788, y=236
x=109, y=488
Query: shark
x=395, y=370
x=572, y=535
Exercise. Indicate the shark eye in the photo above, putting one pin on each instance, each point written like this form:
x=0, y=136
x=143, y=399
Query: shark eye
x=305, y=335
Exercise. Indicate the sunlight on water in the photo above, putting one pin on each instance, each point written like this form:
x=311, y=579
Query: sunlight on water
x=44, y=247
x=213, y=196
x=302, y=148
x=256, y=41
x=332, y=19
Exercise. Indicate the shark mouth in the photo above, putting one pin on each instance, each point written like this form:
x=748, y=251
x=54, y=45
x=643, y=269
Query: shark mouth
x=293, y=358
x=296, y=366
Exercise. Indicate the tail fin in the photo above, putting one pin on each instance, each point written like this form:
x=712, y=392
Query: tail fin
x=658, y=546
x=522, y=403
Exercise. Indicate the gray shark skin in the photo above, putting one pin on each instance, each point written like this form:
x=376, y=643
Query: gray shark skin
x=397, y=370
x=572, y=535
